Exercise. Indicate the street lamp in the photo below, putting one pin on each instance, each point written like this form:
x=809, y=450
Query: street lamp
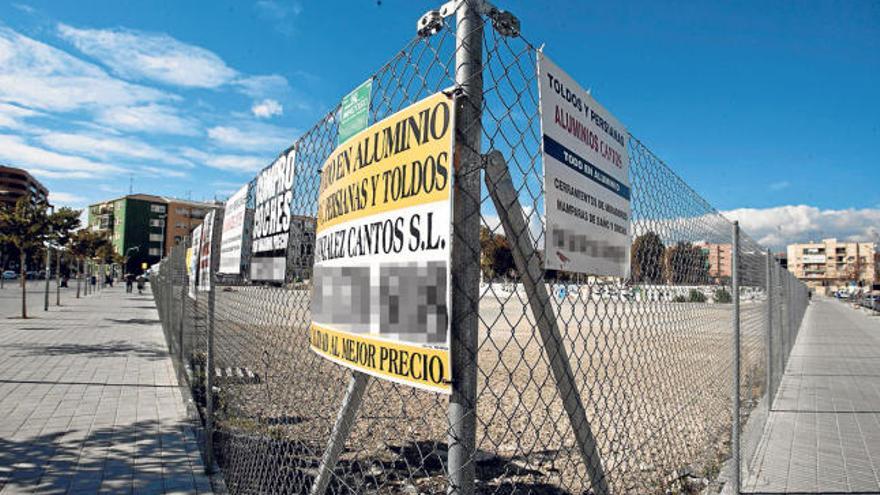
x=162, y=217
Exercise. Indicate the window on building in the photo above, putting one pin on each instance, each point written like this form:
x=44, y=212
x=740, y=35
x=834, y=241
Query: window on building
x=154, y=252
x=155, y=222
x=157, y=208
x=155, y=237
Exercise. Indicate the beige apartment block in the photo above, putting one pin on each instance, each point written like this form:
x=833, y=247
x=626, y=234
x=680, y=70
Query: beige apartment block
x=719, y=257
x=832, y=265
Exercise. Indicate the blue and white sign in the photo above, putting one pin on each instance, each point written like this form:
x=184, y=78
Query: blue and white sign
x=586, y=179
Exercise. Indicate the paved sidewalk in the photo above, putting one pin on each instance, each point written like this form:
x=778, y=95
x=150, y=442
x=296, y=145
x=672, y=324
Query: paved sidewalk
x=823, y=434
x=89, y=401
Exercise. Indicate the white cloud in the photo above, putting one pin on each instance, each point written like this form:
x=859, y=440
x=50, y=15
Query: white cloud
x=279, y=12
x=110, y=189
x=155, y=56
x=267, y=108
x=161, y=172
x=39, y=76
x=230, y=162
x=782, y=225
x=59, y=198
x=106, y=147
x=154, y=118
x=252, y=137
x=778, y=186
x=27, y=9
x=139, y=55
x=11, y=116
x=44, y=173
x=40, y=161
x=534, y=219
x=262, y=86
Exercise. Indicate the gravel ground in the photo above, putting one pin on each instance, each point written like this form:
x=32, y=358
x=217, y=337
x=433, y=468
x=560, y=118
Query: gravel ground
x=653, y=377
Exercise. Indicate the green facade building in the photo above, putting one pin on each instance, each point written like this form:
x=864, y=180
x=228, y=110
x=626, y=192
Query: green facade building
x=137, y=227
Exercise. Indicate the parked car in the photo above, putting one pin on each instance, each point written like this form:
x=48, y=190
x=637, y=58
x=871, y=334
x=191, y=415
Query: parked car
x=9, y=275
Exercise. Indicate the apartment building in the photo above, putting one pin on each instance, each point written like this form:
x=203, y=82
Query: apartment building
x=831, y=265
x=719, y=259
x=17, y=182
x=144, y=227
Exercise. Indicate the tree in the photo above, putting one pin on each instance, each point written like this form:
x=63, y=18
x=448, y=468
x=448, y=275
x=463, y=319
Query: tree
x=685, y=263
x=83, y=245
x=63, y=223
x=647, y=258
x=496, y=257
x=26, y=226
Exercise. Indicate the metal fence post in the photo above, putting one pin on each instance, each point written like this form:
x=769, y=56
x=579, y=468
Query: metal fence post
x=48, y=270
x=465, y=267
x=735, y=432
x=500, y=186
x=769, y=290
x=184, y=281
x=344, y=421
x=209, y=360
x=58, y=278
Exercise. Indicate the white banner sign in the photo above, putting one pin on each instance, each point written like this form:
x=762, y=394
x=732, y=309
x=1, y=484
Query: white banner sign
x=193, y=260
x=271, y=232
x=586, y=179
x=205, y=253
x=233, y=231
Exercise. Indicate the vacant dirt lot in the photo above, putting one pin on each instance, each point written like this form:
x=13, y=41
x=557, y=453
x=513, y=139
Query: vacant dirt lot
x=654, y=378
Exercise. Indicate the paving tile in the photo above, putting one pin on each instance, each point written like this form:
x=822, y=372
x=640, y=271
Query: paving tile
x=81, y=413
x=823, y=431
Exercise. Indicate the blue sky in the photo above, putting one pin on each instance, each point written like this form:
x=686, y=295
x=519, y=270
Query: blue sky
x=768, y=109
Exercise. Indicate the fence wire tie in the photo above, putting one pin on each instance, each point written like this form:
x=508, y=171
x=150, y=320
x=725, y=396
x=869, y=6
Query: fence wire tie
x=433, y=21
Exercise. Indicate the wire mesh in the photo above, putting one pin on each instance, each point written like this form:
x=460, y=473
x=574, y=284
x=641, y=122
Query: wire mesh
x=652, y=356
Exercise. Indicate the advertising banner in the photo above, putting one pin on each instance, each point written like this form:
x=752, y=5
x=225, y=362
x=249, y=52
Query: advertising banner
x=354, y=112
x=192, y=260
x=205, y=252
x=232, y=235
x=586, y=179
x=271, y=228
x=381, y=297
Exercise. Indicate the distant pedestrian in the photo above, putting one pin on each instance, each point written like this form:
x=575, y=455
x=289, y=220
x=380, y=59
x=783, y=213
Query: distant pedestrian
x=129, y=282
x=108, y=280
x=141, y=282
x=64, y=280
x=94, y=281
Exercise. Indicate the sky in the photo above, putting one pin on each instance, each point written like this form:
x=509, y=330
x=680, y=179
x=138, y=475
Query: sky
x=767, y=109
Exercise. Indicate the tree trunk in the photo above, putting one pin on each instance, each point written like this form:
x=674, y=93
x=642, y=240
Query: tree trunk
x=79, y=264
x=23, y=270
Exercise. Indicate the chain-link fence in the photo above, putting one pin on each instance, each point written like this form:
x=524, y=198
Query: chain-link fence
x=563, y=383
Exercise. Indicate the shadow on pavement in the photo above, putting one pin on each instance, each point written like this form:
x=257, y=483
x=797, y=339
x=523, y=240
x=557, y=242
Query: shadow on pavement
x=134, y=321
x=146, y=456
x=151, y=352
